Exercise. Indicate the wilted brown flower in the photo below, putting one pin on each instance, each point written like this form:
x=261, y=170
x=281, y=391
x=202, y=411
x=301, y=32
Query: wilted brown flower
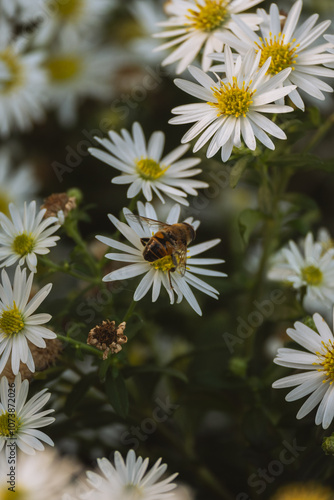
x=107, y=337
x=59, y=205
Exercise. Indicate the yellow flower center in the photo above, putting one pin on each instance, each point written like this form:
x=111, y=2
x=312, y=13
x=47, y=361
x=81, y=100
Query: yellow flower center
x=327, y=360
x=19, y=494
x=9, y=424
x=11, y=71
x=165, y=264
x=149, y=169
x=209, y=16
x=282, y=54
x=11, y=321
x=232, y=100
x=4, y=202
x=133, y=492
x=68, y=9
x=312, y=275
x=63, y=68
x=23, y=244
x=301, y=491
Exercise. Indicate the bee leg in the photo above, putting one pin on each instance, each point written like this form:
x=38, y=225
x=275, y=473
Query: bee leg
x=144, y=241
x=170, y=281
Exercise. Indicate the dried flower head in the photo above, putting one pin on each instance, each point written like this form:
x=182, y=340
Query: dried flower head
x=43, y=358
x=59, y=205
x=107, y=337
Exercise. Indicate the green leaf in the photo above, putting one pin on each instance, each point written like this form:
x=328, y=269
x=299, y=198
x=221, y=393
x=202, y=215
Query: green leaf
x=78, y=392
x=104, y=366
x=304, y=161
x=248, y=221
x=237, y=170
x=117, y=394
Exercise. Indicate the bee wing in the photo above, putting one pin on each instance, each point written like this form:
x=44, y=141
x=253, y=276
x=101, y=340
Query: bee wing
x=181, y=255
x=145, y=221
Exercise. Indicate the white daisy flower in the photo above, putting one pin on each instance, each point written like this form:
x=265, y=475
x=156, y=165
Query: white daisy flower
x=78, y=70
x=233, y=107
x=18, y=324
x=23, y=10
x=44, y=472
x=317, y=379
x=23, y=238
x=291, y=47
x=15, y=186
x=22, y=86
x=157, y=273
x=310, y=268
x=142, y=166
x=75, y=18
x=196, y=23
x=129, y=479
x=27, y=419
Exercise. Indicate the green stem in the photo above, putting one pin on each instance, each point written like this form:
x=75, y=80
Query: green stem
x=66, y=270
x=80, y=345
x=73, y=232
x=321, y=132
x=130, y=310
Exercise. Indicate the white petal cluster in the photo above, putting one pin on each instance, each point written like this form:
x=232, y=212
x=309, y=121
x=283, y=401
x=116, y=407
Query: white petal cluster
x=155, y=278
x=316, y=379
x=144, y=168
x=233, y=107
x=18, y=323
x=291, y=47
x=195, y=25
x=25, y=236
x=28, y=418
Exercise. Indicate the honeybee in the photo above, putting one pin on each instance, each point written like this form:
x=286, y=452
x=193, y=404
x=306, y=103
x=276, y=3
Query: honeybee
x=169, y=239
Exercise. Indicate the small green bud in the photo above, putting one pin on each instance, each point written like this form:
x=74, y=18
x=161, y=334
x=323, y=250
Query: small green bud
x=238, y=366
x=328, y=445
x=77, y=194
x=308, y=321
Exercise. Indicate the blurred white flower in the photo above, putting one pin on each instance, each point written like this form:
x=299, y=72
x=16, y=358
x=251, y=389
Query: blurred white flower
x=317, y=381
x=18, y=324
x=26, y=419
x=310, y=266
x=233, y=107
x=23, y=10
x=143, y=168
x=157, y=272
x=195, y=24
x=25, y=236
x=77, y=71
x=129, y=479
x=44, y=472
x=291, y=47
x=22, y=86
x=16, y=185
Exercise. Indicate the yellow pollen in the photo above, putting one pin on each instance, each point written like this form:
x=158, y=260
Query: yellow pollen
x=150, y=169
x=23, y=244
x=326, y=360
x=300, y=491
x=12, y=74
x=19, y=494
x=165, y=264
x=312, y=275
x=282, y=54
x=67, y=9
x=209, y=16
x=9, y=424
x=63, y=68
x=11, y=321
x=232, y=100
